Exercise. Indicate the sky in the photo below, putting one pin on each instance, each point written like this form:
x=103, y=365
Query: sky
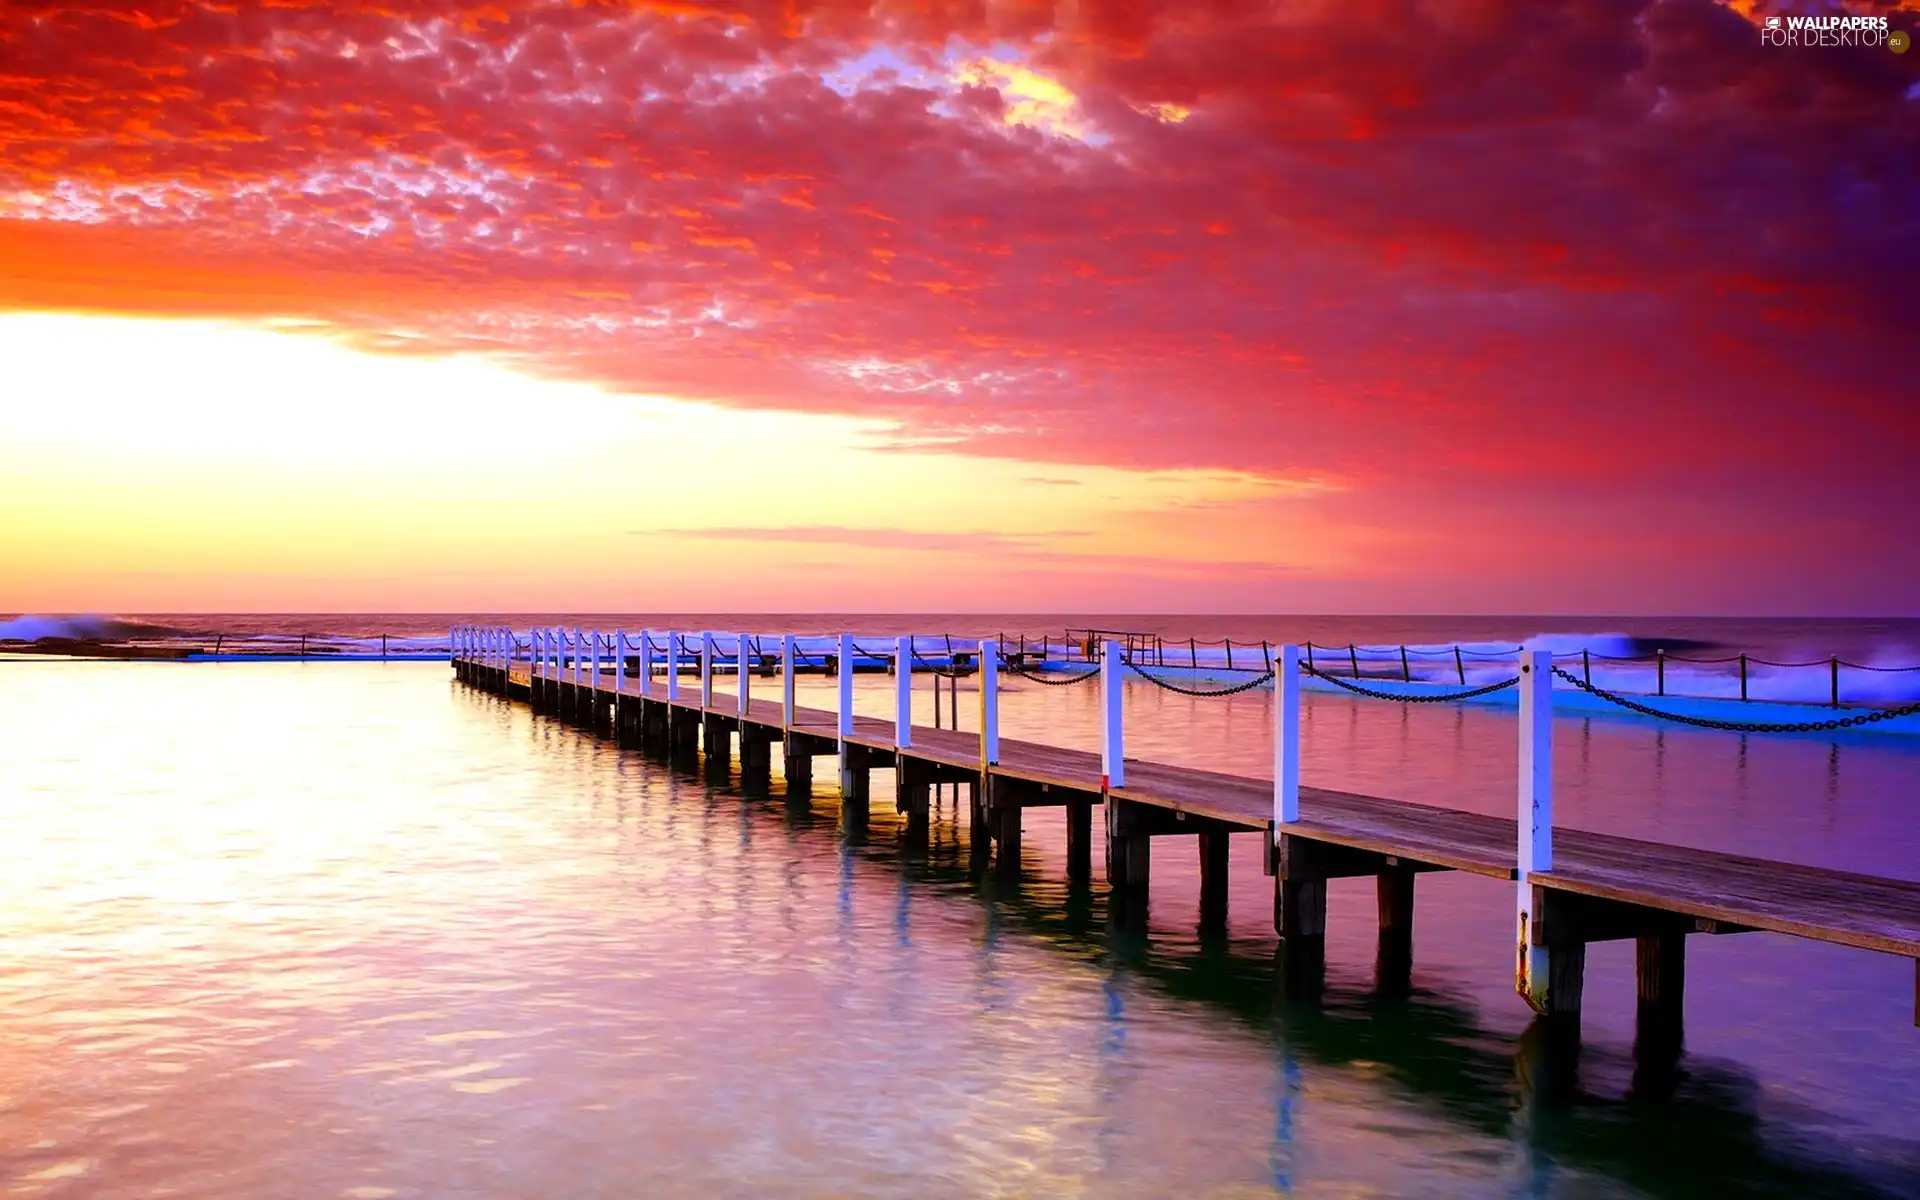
x=991, y=305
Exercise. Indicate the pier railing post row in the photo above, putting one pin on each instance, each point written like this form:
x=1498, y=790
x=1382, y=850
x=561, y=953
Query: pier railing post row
x=1533, y=968
x=787, y=665
x=1113, y=770
x=990, y=702
x=745, y=650
x=1286, y=739
x=903, y=692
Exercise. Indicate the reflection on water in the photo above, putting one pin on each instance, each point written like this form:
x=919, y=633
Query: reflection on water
x=351, y=930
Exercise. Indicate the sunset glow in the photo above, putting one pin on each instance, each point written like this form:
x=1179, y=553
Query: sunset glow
x=431, y=304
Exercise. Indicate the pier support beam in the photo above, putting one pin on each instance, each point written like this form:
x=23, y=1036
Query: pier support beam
x=716, y=738
x=1660, y=979
x=914, y=795
x=756, y=755
x=1006, y=819
x=683, y=733
x=856, y=795
x=1300, y=915
x=1080, y=841
x=1213, y=879
x=797, y=765
x=1393, y=960
x=979, y=825
x=1129, y=849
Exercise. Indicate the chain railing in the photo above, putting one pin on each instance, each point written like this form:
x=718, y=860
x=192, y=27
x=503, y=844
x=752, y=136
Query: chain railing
x=1203, y=693
x=1470, y=693
x=1858, y=719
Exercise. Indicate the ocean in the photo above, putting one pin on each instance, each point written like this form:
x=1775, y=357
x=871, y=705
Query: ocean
x=1786, y=659
x=294, y=928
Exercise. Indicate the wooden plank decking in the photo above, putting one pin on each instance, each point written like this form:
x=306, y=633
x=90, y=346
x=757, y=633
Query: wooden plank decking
x=1822, y=904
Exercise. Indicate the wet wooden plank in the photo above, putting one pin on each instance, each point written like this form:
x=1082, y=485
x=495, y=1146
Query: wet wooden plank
x=1864, y=911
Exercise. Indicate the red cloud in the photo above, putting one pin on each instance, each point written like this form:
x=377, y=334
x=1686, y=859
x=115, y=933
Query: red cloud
x=1550, y=251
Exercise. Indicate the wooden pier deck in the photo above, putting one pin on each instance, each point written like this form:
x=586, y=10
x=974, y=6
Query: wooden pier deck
x=1599, y=886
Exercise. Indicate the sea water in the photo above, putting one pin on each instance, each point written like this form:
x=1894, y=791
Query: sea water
x=350, y=929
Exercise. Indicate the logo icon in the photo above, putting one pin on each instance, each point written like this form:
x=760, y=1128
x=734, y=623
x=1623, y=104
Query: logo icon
x=1899, y=40
x=1773, y=22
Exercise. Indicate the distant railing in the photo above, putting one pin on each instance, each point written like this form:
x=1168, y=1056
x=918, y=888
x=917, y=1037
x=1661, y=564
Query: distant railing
x=1742, y=671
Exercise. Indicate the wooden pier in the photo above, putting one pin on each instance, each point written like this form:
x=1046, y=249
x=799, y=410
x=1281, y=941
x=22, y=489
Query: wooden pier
x=1572, y=887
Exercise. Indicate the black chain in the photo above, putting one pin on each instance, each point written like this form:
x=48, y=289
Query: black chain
x=949, y=673
x=1235, y=690
x=1469, y=694
x=1032, y=677
x=1885, y=714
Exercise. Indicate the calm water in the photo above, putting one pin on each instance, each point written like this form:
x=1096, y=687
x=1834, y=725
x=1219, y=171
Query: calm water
x=351, y=930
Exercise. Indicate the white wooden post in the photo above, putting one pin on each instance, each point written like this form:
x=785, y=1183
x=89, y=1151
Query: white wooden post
x=453, y=642
x=619, y=660
x=593, y=680
x=903, y=692
x=673, y=666
x=579, y=654
x=990, y=702
x=787, y=652
x=844, y=718
x=706, y=671
x=1113, y=771
x=745, y=649
x=646, y=661
x=1536, y=815
x=1286, y=737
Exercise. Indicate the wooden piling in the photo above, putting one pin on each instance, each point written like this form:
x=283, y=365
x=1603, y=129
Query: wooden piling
x=856, y=798
x=1080, y=841
x=798, y=768
x=1393, y=960
x=1660, y=980
x=979, y=825
x=1129, y=849
x=914, y=798
x=1007, y=829
x=1213, y=879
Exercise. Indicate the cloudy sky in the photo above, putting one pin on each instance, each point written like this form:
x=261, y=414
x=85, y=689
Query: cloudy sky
x=1210, y=305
